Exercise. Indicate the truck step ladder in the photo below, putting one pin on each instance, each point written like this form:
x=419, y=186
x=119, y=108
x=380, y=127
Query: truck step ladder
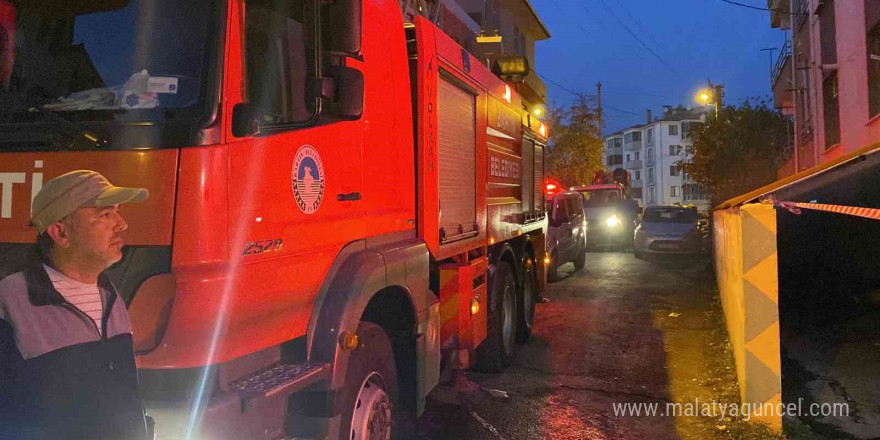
x=279, y=378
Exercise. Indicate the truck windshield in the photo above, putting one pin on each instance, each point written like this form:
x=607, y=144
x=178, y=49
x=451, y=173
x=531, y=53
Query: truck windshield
x=88, y=61
x=600, y=197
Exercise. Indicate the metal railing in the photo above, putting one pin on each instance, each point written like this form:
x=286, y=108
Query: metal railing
x=784, y=54
x=800, y=12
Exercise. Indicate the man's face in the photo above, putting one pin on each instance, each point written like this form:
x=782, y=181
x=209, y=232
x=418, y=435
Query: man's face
x=93, y=235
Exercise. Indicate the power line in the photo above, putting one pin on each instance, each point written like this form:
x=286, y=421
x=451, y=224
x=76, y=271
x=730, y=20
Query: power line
x=625, y=27
x=579, y=95
x=622, y=111
x=762, y=9
x=637, y=22
x=585, y=95
x=601, y=23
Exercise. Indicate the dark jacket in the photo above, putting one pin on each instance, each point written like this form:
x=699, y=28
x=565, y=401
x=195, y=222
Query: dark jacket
x=60, y=378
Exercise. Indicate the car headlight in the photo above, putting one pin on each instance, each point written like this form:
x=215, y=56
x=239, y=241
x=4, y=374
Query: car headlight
x=612, y=221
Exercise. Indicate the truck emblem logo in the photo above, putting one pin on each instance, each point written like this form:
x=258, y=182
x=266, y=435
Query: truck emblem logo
x=308, y=179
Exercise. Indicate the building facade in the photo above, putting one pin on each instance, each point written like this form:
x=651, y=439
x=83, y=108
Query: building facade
x=828, y=76
x=653, y=154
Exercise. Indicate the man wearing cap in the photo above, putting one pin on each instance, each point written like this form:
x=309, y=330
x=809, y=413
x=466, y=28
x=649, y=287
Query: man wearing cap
x=67, y=367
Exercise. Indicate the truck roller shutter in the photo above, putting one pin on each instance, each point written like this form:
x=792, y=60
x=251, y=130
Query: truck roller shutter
x=539, y=177
x=456, y=112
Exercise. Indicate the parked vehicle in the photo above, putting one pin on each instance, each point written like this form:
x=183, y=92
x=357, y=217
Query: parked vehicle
x=567, y=232
x=610, y=211
x=669, y=229
x=326, y=217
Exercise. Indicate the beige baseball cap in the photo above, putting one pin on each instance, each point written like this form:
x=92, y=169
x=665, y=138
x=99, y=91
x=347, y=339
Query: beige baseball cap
x=68, y=192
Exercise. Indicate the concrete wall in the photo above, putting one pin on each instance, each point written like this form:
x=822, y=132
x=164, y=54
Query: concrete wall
x=747, y=272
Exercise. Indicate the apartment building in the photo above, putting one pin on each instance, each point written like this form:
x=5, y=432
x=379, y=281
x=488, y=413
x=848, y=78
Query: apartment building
x=828, y=76
x=653, y=153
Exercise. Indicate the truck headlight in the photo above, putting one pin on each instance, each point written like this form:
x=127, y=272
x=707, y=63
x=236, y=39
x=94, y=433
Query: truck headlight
x=612, y=221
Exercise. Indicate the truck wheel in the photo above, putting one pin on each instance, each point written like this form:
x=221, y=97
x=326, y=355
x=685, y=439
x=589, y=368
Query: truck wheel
x=496, y=352
x=369, y=397
x=581, y=259
x=527, y=303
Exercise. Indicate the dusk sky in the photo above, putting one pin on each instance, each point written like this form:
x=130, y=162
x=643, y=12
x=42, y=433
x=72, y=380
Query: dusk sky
x=696, y=40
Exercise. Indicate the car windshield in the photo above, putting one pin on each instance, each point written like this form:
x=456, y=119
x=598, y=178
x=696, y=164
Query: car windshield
x=107, y=60
x=598, y=198
x=670, y=215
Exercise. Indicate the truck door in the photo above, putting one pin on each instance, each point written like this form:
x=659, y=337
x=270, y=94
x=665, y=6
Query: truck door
x=294, y=190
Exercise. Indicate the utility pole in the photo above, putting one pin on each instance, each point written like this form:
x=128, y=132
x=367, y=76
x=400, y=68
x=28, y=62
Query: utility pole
x=717, y=94
x=599, y=106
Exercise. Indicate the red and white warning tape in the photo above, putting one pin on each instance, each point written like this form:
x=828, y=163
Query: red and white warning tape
x=858, y=211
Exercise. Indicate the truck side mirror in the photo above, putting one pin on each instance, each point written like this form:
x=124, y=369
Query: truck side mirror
x=342, y=27
x=245, y=120
x=347, y=102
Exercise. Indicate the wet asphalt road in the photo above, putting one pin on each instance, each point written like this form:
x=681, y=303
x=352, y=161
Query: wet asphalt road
x=620, y=330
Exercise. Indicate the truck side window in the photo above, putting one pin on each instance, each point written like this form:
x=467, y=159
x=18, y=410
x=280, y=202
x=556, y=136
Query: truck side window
x=277, y=51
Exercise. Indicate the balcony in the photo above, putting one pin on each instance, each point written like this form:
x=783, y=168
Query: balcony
x=780, y=14
x=636, y=183
x=632, y=146
x=633, y=165
x=780, y=79
x=534, y=90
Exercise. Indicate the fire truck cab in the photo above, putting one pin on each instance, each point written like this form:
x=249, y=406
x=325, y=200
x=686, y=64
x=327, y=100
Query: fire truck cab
x=338, y=200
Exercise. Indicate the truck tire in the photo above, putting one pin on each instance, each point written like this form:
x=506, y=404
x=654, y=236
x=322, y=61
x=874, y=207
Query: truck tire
x=496, y=352
x=527, y=301
x=581, y=260
x=369, y=397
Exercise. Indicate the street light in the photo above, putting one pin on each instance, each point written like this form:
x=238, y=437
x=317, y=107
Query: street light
x=711, y=95
x=704, y=97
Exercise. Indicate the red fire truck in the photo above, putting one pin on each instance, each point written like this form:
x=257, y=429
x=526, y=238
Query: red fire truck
x=340, y=202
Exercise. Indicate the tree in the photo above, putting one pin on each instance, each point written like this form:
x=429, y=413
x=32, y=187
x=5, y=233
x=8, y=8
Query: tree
x=738, y=151
x=575, y=145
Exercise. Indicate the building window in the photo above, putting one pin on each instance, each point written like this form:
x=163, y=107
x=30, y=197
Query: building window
x=673, y=150
x=673, y=130
x=872, y=16
x=618, y=142
x=693, y=191
x=637, y=155
x=650, y=135
x=609, y=144
x=628, y=157
x=673, y=170
x=686, y=129
x=636, y=193
x=651, y=197
x=673, y=191
x=635, y=136
x=651, y=175
x=638, y=175
x=831, y=111
x=517, y=43
x=649, y=155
